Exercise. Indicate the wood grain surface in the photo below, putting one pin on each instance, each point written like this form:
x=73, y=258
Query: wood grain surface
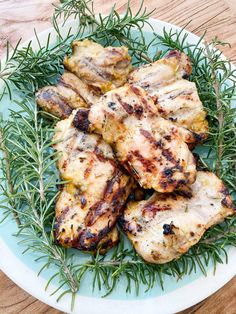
x=18, y=18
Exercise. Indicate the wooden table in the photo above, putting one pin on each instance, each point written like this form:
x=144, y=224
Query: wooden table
x=18, y=19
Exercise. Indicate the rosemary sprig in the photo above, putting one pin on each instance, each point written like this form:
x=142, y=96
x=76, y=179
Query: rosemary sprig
x=29, y=188
x=31, y=177
x=8, y=190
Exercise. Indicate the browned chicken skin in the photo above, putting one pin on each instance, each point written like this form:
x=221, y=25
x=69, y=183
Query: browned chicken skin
x=90, y=203
x=176, y=98
x=70, y=93
x=96, y=70
x=102, y=68
x=167, y=225
x=134, y=120
x=151, y=148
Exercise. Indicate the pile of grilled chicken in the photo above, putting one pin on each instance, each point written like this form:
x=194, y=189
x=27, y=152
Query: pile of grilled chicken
x=123, y=129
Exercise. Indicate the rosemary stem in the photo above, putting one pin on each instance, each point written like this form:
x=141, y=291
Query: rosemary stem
x=221, y=123
x=72, y=281
x=220, y=116
x=40, y=167
x=219, y=236
x=8, y=177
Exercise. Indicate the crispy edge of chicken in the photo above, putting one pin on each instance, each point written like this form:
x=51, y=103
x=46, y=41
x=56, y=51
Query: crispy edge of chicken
x=166, y=226
x=88, y=205
x=102, y=68
x=69, y=93
x=175, y=97
x=151, y=148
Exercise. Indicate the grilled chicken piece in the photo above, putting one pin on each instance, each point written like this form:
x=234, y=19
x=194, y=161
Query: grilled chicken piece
x=151, y=148
x=89, y=204
x=70, y=93
x=102, y=68
x=176, y=98
x=168, y=225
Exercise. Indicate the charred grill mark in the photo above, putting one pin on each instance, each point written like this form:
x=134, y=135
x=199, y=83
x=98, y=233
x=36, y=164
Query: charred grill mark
x=86, y=241
x=168, y=155
x=186, y=192
x=151, y=209
x=147, y=163
x=110, y=183
x=227, y=201
x=58, y=105
x=138, y=110
x=181, y=93
x=170, y=118
x=224, y=190
x=67, y=85
x=104, y=232
x=101, y=208
x=122, y=222
x=129, y=226
x=165, y=183
x=131, y=169
x=167, y=137
x=81, y=120
x=60, y=187
x=168, y=172
x=151, y=139
x=127, y=107
x=88, y=169
x=168, y=229
x=136, y=90
x=89, y=62
x=95, y=211
x=73, y=216
x=108, y=244
x=142, y=99
x=145, y=85
x=87, y=172
x=83, y=201
x=187, y=69
x=112, y=105
x=118, y=200
x=198, y=137
x=60, y=219
x=100, y=156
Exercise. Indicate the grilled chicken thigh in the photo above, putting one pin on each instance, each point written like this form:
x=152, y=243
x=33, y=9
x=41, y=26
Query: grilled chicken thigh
x=96, y=70
x=101, y=68
x=70, y=93
x=89, y=204
x=167, y=225
x=176, y=98
x=151, y=148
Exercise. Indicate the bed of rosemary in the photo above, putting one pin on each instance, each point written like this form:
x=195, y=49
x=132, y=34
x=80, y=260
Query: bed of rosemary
x=29, y=175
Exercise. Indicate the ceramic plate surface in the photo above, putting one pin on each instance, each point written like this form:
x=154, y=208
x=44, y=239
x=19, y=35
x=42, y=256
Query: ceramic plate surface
x=177, y=295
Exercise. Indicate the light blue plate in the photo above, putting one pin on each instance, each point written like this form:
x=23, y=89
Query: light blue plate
x=177, y=295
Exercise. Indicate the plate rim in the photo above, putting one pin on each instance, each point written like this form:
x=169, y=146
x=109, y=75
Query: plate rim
x=14, y=267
